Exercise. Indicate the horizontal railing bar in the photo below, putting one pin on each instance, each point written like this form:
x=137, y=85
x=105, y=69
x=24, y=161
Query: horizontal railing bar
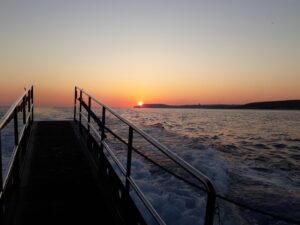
x=84, y=104
x=93, y=127
x=95, y=118
x=10, y=167
x=8, y=119
x=22, y=133
x=146, y=202
x=155, y=163
x=190, y=169
x=111, y=153
x=183, y=164
x=147, y=158
x=90, y=124
x=168, y=171
x=84, y=117
x=114, y=157
x=9, y=114
x=116, y=136
x=106, y=128
x=95, y=130
x=93, y=115
x=25, y=125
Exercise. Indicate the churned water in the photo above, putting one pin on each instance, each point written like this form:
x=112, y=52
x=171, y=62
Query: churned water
x=252, y=156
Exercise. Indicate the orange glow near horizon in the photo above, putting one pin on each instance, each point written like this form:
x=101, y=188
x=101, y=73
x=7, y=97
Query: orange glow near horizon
x=63, y=95
x=190, y=52
x=140, y=103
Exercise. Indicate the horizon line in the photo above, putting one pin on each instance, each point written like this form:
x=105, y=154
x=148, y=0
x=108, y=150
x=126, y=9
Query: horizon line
x=167, y=104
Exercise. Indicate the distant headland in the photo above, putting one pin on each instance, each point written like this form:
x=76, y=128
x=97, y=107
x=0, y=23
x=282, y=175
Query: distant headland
x=285, y=105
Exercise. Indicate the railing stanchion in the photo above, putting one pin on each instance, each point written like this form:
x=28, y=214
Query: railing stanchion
x=75, y=101
x=80, y=108
x=210, y=206
x=16, y=132
x=32, y=113
x=102, y=128
x=24, y=109
x=89, y=113
x=29, y=102
x=129, y=156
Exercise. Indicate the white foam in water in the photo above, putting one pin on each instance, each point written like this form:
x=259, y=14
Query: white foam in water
x=216, y=148
x=210, y=163
x=178, y=203
x=242, y=153
x=175, y=205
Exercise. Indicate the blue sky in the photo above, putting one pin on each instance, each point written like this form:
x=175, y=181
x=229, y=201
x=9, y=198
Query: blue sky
x=209, y=51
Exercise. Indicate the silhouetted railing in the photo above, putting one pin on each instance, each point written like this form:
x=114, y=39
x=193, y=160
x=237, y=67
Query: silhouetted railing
x=23, y=105
x=101, y=130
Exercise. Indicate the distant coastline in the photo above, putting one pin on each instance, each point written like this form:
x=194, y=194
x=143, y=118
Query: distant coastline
x=272, y=105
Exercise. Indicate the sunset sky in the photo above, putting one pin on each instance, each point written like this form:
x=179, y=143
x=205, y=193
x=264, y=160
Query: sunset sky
x=155, y=51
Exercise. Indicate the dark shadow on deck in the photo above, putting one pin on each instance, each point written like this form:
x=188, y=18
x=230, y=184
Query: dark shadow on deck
x=58, y=185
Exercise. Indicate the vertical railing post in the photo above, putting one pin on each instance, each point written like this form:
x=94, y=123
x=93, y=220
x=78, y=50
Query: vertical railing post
x=129, y=156
x=24, y=109
x=210, y=206
x=31, y=95
x=102, y=128
x=88, y=122
x=80, y=108
x=29, y=101
x=89, y=112
x=24, y=102
x=16, y=130
x=75, y=101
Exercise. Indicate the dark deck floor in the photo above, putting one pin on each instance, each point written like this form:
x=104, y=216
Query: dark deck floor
x=59, y=187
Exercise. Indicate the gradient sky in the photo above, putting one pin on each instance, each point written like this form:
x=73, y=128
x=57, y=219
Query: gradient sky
x=175, y=52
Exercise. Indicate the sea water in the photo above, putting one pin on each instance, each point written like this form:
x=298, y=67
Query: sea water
x=252, y=157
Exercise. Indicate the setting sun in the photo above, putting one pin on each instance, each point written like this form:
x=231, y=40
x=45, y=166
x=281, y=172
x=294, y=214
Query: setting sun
x=140, y=103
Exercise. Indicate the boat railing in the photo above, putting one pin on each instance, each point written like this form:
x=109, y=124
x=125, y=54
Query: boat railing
x=21, y=129
x=90, y=103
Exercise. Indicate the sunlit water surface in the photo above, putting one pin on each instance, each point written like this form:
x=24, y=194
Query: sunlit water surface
x=252, y=156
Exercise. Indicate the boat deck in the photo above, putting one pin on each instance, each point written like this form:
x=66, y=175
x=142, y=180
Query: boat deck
x=59, y=186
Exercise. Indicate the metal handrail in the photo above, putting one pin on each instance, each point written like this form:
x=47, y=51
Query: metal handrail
x=211, y=193
x=9, y=114
x=23, y=104
x=201, y=177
